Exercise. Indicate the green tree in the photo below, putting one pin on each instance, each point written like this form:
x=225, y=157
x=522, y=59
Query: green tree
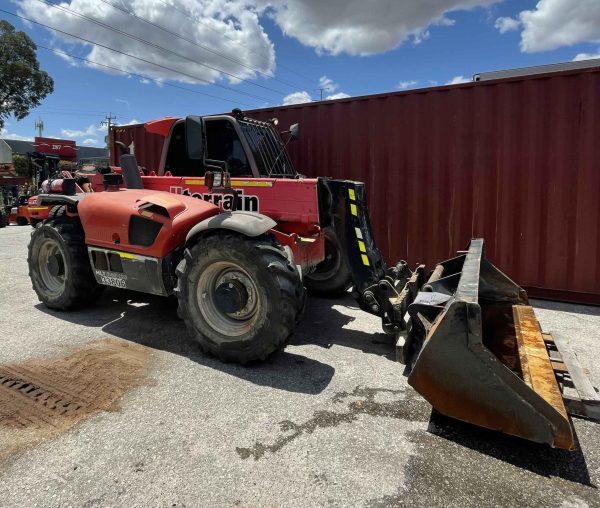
x=22, y=84
x=21, y=165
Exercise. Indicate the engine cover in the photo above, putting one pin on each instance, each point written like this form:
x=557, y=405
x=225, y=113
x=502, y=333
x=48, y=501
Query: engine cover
x=143, y=222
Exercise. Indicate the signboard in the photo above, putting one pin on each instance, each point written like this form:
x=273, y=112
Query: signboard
x=64, y=148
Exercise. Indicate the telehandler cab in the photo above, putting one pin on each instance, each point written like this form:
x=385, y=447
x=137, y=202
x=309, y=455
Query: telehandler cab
x=473, y=343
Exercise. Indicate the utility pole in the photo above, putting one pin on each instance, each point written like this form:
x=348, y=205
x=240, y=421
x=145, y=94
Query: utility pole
x=108, y=122
x=323, y=89
x=39, y=125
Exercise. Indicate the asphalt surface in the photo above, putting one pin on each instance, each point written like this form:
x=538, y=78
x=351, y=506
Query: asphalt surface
x=330, y=421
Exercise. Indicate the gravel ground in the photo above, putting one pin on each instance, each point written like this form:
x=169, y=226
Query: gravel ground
x=330, y=421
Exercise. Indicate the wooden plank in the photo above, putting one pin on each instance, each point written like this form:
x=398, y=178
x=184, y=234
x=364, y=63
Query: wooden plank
x=559, y=366
x=547, y=338
x=581, y=382
x=536, y=366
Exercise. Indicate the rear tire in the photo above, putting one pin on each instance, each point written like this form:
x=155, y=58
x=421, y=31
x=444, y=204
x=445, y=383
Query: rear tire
x=21, y=221
x=58, y=214
x=268, y=296
x=3, y=219
x=332, y=277
x=59, y=266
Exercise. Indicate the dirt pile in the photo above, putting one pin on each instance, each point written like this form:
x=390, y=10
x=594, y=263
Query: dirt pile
x=42, y=398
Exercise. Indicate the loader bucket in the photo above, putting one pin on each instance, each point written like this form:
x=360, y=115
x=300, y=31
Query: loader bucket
x=480, y=355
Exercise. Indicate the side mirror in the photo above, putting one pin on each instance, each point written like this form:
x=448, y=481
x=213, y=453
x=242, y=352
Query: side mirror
x=295, y=131
x=194, y=137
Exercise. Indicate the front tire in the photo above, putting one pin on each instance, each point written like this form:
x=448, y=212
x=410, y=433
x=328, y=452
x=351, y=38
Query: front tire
x=59, y=266
x=3, y=219
x=332, y=277
x=239, y=297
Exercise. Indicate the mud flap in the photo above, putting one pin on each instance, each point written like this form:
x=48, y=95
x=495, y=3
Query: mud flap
x=479, y=355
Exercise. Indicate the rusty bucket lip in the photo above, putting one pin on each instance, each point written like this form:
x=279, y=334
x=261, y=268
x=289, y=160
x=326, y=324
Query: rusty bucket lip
x=437, y=384
x=461, y=377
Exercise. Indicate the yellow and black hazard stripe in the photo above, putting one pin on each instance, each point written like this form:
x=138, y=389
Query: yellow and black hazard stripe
x=359, y=236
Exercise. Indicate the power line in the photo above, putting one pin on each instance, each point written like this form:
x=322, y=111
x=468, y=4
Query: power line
x=205, y=48
x=77, y=110
x=141, y=76
x=157, y=46
x=132, y=56
x=62, y=113
x=200, y=20
x=60, y=109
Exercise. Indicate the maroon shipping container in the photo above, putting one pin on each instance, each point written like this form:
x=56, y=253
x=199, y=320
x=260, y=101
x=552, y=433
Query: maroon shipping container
x=145, y=146
x=515, y=161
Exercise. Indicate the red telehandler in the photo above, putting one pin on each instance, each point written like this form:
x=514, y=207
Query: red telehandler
x=228, y=227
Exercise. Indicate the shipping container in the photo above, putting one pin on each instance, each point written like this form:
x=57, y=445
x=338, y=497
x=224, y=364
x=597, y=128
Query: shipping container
x=515, y=161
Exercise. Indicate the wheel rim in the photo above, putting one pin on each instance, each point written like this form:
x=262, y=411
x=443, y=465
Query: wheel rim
x=50, y=254
x=232, y=323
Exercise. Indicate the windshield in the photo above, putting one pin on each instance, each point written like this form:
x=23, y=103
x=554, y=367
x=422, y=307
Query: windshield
x=269, y=151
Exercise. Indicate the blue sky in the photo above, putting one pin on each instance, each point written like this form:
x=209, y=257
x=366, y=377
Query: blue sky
x=392, y=45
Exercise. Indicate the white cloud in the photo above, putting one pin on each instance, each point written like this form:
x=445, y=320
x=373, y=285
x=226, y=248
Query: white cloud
x=446, y=22
x=552, y=24
x=507, y=24
x=4, y=134
x=133, y=121
x=90, y=130
x=339, y=95
x=124, y=101
x=419, y=37
x=296, y=98
x=90, y=142
x=235, y=28
x=70, y=60
x=357, y=27
x=405, y=85
x=325, y=82
x=586, y=56
x=217, y=24
x=327, y=85
x=456, y=80
x=432, y=82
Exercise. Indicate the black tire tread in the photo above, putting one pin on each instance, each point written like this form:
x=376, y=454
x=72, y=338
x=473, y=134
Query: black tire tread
x=336, y=285
x=291, y=298
x=84, y=289
x=58, y=213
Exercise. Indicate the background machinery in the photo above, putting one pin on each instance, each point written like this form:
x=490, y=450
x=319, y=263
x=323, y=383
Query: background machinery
x=228, y=227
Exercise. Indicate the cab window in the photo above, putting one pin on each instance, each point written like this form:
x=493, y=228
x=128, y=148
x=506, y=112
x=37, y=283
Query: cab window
x=222, y=144
x=177, y=161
